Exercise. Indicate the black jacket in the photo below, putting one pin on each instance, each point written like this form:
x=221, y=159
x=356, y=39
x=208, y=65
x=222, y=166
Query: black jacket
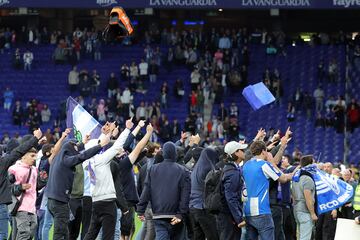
x=232, y=186
x=120, y=198
x=62, y=170
x=167, y=187
x=6, y=161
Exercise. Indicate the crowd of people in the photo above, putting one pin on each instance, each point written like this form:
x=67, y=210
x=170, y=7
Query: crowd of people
x=183, y=189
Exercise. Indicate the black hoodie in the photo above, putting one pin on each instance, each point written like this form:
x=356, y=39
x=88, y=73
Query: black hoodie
x=62, y=169
x=8, y=159
x=167, y=187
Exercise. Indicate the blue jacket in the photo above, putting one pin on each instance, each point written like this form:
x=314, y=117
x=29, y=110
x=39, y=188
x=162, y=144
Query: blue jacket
x=232, y=186
x=167, y=187
x=62, y=170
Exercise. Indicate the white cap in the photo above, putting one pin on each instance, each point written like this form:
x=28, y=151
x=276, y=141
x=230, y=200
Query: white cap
x=233, y=146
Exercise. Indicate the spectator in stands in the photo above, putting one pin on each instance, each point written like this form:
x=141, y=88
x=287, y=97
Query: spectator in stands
x=354, y=116
x=112, y=85
x=234, y=111
x=298, y=100
x=321, y=74
x=8, y=97
x=59, y=55
x=330, y=103
x=195, y=79
x=308, y=104
x=320, y=121
x=153, y=71
x=28, y=59
x=319, y=98
x=163, y=97
x=45, y=114
x=333, y=71
x=17, y=114
x=192, y=59
x=134, y=71
x=291, y=112
x=73, y=79
x=97, y=49
x=141, y=112
x=85, y=87
x=125, y=72
x=303, y=193
x=95, y=82
x=222, y=112
x=224, y=42
x=169, y=60
x=17, y=59
x=179, y=88
x=143, y=67
x=101, y=110
x=339, y=113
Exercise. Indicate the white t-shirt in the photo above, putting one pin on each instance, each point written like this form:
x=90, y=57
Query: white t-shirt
x=143, y=68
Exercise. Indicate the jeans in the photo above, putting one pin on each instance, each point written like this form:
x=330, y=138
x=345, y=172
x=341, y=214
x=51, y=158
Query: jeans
x=60, y=212
x=305, y=225
x=4, y=221
x=228, y=229
x=165, y=231
x=277, y=215
x=117, y=234
x=40, y=219
x=103, y=215
x=47, y=223
x=204, y=225
x=26, y=224
x=260, y=226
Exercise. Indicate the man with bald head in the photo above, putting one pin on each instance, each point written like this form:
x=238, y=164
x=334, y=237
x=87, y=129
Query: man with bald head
x=347, y=209
x=328, y=167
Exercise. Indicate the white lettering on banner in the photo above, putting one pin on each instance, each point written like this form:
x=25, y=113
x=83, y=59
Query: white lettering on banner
x=183, y=3
x=327, y=205
x=276, y=3
x=346, y=3
x=3, y=2
x=105, y=3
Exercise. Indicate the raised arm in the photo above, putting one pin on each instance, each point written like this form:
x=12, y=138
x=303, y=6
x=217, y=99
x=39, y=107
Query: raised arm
x=284, y=140
x=58, y=145
x=136, y=130
x=139, y=147
x=17, y=153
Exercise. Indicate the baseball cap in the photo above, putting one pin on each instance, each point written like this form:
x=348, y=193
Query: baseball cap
x=233, y=146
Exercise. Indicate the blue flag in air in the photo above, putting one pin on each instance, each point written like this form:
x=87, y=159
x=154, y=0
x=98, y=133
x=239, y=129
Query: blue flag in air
x=331, y=192
x=81, y=121
x=258, y=95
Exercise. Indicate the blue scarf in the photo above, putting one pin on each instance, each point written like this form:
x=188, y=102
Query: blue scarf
x=331, y=192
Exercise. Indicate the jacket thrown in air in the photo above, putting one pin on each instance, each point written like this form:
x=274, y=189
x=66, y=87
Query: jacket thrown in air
x=9, y=159
x=167, y=187
x=62, y=170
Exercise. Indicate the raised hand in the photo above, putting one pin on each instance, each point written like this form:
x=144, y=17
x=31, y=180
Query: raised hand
x=66, y=132
x=105, y=141
x=149, y=128
x=112, y=126
x=129, y=123
x=37, y=133
x=141, y=123
x=106, y=128
x=115, y=132
x=286, y=138
x=42, y=140
x=260, y=135
x=86, y=139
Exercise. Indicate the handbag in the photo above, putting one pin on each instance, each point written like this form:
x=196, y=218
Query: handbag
x=16, y=203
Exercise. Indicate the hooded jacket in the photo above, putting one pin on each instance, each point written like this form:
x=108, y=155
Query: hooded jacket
x=62, y=170
x=205, y=164
x=9, y=159
x=167, y=187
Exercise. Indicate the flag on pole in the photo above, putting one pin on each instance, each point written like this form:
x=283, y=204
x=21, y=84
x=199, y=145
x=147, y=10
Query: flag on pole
x=81, y=121
x=331, y=192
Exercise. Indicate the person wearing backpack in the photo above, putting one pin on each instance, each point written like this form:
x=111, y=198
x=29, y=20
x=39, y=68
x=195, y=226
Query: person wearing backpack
x=204, y=223
x=231, y=219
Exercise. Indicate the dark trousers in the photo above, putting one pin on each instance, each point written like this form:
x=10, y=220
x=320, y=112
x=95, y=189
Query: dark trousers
x=277, y=216
x=60, y=212
x=228, y=229
x=204, y=225
x=165, y=231
x=289, y=225
x=86, y=215
x=103, y=215
x=347, y=212
x=75, y=223
x=325, y=227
